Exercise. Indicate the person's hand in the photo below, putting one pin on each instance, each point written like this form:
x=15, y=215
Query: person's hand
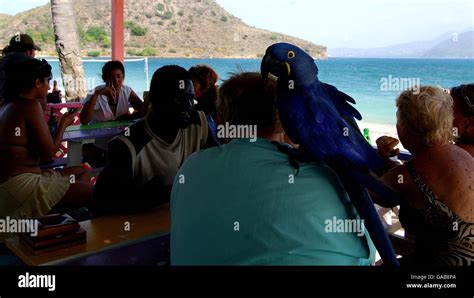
x=109, y=90
x=386, y=146
x=67, y=119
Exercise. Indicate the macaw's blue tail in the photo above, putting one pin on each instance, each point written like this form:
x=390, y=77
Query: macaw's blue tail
x=365, y=207
x=385, y=193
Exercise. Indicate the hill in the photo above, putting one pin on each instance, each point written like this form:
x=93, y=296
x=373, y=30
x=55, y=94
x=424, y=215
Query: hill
x=163, y=28
x=461, y=46
x=445, y=46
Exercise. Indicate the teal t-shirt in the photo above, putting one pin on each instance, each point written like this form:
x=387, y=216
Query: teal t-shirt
x=241, y=204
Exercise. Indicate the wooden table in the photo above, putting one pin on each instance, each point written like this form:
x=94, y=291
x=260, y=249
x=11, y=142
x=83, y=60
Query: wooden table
x=78, y=135
x=103, y=233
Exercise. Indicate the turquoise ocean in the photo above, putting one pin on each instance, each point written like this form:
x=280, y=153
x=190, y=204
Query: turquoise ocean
x=373, y=83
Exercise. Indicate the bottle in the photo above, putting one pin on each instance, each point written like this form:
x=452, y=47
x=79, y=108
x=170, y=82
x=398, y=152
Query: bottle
x=367, y=135
x=52, y=122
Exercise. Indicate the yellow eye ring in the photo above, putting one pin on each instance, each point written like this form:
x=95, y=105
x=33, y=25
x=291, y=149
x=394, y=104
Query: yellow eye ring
x=291, y=54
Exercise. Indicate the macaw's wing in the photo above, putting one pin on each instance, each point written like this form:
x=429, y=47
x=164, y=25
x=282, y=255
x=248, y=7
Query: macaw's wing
x=336, y=128
x=321, y=128
x=334, y=119
x=341, y=101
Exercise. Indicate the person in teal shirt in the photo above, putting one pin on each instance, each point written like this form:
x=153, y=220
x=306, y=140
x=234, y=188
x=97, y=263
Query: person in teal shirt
x=244, y=204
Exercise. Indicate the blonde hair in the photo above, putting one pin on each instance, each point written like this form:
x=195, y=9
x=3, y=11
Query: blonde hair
x=428, y=113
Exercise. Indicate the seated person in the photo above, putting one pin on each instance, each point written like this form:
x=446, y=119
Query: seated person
x=239, y=204
x=463, y=98
x=108, y=102
x=25, y=140
x=204, y=82
x=436, y=183
x=141, y=167
x=55, y=96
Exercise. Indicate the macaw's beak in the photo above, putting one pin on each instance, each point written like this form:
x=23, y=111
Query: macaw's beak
x=274, y=66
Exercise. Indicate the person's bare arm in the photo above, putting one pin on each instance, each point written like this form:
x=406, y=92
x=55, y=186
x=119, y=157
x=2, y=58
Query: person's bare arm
x=146, y=103
x=135, y=101
x=47, y=145
x=88, y=108
x=394, y=178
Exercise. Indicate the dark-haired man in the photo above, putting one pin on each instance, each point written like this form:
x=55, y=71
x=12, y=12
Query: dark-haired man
x=463, y=98
x=142, y=163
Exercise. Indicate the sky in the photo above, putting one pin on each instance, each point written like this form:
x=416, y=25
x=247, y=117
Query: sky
x=340, y=23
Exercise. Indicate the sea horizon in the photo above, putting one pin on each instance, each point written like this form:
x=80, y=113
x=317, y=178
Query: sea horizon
x=248, y=58
x=374, y=83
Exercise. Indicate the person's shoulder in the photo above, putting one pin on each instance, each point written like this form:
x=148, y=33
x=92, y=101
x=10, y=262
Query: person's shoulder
x=28, y=104
x=127, y=88
x=202, y=119
x=467, y=147
x=137, y=129
x=137, y=136
x=202, y=116
x=456, y=157
x=321, y=171
x=204, y=157
x=460, y=164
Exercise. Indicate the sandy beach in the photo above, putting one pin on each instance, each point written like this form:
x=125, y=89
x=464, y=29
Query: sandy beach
x=377, y=130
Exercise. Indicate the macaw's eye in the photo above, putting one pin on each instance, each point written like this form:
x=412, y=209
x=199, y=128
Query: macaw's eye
x=291, y=54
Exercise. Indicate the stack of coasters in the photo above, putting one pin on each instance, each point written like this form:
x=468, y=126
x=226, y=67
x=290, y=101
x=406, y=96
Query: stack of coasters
x=55, y=231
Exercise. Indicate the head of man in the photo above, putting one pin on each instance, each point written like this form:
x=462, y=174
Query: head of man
x=23, y=43
x=27, y=76
x=172, y=95
x=424, y=118
x=463, y=99
x=249, y=99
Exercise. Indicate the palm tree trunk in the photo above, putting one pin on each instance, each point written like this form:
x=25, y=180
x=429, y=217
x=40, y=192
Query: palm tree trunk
x=67, y=46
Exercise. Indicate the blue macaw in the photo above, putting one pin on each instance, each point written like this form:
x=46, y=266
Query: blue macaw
x=319, y=118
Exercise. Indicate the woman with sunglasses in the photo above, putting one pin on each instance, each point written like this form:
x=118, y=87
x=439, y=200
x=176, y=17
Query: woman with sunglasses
x=25, y=140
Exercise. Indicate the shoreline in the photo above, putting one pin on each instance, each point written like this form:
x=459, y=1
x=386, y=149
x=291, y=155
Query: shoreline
x=376, y=130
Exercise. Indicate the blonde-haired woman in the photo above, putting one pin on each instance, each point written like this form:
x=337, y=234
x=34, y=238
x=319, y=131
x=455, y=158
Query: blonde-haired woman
x=437, y=183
